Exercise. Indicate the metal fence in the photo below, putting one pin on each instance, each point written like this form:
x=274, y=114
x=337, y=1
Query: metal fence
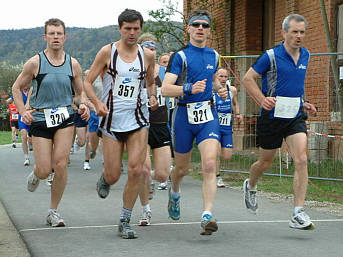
x=325, y=146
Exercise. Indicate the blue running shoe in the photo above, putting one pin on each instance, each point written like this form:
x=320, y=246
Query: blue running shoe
x=208, y=225
x=174, y=206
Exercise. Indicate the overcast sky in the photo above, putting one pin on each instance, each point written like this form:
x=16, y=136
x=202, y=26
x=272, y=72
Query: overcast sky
x=19, y=14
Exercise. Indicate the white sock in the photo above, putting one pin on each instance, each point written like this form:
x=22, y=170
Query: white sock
x=146, y=208
x=51, y=210
x=175, y=194
x=26, y=156
x=206, y=212
x=250, y=188
x=297, y=209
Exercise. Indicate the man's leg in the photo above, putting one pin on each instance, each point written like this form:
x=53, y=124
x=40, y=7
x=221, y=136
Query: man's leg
x=24, y=145
x=112, y=153
x=162, y=162
x=208, y=151
x=144, y=191
x=263, y=163
x=86, y=165
x=182, y=162
x=297, y=144
x=62, y=144
x=136, y=145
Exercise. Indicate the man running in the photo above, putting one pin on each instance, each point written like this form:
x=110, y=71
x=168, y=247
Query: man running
x=283, y=70
x=190, y=76
x=159, y=140
x=55, y=74
x=124, y=111
x=225, y=109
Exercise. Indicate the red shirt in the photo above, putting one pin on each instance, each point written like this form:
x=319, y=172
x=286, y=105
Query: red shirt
x=13, y=112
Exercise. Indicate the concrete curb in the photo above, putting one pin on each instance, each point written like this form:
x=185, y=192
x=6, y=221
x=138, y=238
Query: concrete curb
x=11, y=243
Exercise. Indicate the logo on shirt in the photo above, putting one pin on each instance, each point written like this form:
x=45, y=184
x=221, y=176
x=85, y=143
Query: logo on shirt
x=132, y=69
x=209, y=67
x=53, y=110
x=198, y=105
x=126, y=80
x=303, y=67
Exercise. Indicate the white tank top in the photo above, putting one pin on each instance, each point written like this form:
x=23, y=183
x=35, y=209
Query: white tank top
x=123, y=94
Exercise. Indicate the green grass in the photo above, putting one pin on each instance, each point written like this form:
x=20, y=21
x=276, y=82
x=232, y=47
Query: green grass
x=5, y=137
x=317, y=190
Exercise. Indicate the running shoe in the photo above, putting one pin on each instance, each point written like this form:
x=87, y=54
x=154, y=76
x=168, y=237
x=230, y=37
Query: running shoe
x=30, y=147
x=152, y=189
x=250, y=198
x=145, y=219
x=220, y=182
x=26, y=162
x=125, y=231
x=163, y=186
x=102, y=187
x=71, y=150
x=14, y=145
x=301, y=221
x=208, y=225
x=92, y=154
x=86, y=166
x=174, y=206
x=50, y=178
x=32, y=182
x=54, y=219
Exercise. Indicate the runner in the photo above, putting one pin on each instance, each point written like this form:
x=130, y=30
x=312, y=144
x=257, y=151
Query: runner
x=124, y=111
x=51, y=117
x=190, y=76
x=283, y=70
x=225, y=109
x=159, y=140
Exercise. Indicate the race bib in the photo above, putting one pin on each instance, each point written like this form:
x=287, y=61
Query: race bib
x=286, y=107
x=199, y=112
x=126, y=88
x=160, y=99
x=224, y=118
x=172, y=102
x=14, y=116
x=55, y=116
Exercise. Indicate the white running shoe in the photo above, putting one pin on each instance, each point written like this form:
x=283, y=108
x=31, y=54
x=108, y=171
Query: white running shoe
x=50, y=179
x=250, y=198
x=163, y=185
x=32, y=182
x=86, y=166
x=220, y=182
x=145, y=219
x=26, y=162
x=301, y=221
x=54, y=219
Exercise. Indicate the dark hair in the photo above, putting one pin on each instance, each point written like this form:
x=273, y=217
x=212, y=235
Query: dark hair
x=54, y=22
x=199, y=13
x=129, y=15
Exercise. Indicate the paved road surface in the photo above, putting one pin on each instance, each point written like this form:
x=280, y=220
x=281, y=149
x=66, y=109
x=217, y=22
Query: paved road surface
x=92, y=222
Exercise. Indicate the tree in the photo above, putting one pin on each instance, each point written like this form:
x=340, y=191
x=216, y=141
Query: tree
x=8, y=74
x=169, y=33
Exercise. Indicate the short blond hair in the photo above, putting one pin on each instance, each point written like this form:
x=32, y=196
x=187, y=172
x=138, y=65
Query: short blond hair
x=146, y=37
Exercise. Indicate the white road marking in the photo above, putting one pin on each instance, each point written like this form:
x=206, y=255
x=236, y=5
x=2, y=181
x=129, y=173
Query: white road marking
x=174, y=223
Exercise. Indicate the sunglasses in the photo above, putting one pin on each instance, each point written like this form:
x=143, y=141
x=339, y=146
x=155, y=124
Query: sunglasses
x=203, y=24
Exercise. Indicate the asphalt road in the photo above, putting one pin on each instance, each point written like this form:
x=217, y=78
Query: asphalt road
x=92, y=222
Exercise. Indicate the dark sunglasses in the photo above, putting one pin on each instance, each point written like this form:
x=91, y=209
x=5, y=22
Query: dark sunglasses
x=203, y=24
